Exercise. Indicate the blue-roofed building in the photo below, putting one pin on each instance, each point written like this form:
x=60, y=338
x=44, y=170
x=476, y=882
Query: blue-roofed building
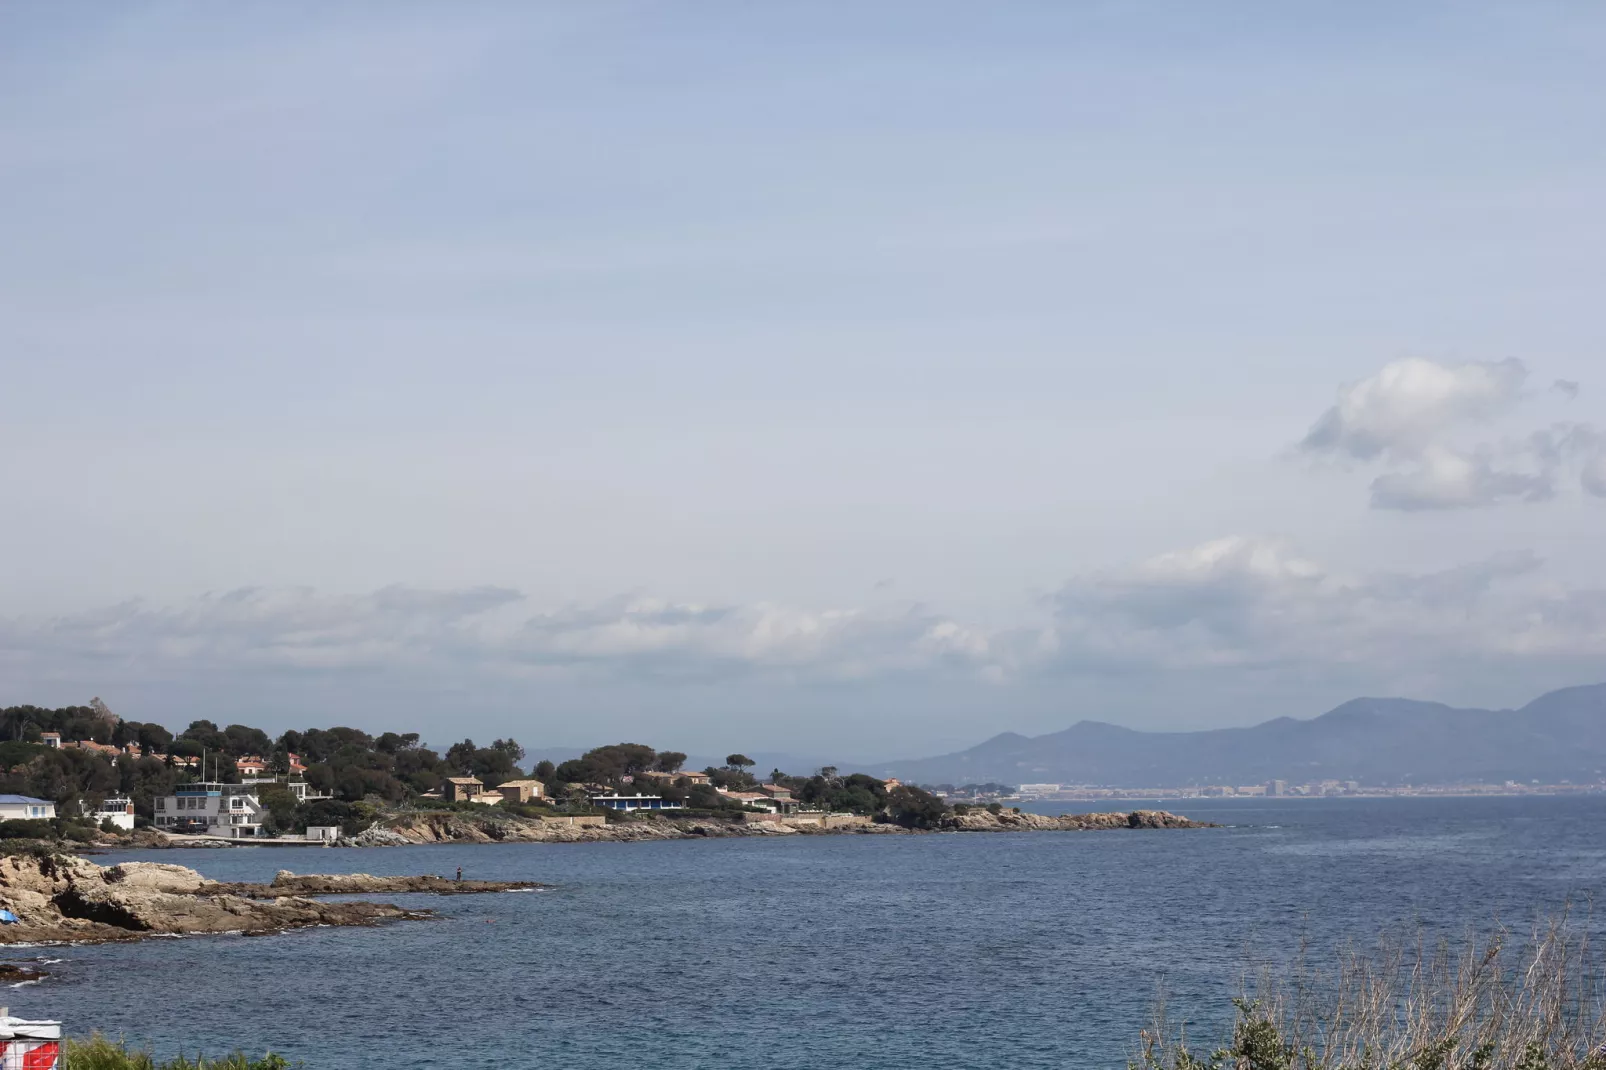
x=25, y=807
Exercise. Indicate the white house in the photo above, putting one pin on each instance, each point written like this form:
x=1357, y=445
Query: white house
x=231, y=811
x=635, y=802
x=118, y=809
x=26, y=808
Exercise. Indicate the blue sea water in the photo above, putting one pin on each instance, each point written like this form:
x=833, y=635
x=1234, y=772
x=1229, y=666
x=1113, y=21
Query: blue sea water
x=957, y=951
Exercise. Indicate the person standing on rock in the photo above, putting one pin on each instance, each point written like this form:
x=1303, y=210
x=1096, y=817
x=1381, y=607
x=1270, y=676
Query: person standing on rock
x=459, y=872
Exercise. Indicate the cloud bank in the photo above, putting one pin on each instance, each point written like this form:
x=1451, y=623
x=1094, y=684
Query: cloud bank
x=1242, y=603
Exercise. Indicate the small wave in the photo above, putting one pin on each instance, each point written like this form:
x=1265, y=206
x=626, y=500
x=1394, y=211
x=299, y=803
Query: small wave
x=47, y=962
x=21, y=984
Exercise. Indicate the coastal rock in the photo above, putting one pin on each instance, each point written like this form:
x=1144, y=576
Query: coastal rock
x=1009, y=821
x=64, y=898
x=287, y=883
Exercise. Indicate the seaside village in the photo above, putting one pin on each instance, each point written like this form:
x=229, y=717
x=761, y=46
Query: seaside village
x=231, y=808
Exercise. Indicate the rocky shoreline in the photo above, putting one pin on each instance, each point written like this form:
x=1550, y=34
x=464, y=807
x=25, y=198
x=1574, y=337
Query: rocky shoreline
x=66, y=899
x=426, y=827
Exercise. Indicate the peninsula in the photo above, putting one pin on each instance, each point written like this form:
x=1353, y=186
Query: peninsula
x=82, y=775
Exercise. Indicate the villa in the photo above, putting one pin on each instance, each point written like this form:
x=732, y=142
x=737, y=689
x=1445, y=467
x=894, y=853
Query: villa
x=25, y=808
x=635, y=802
x=208, y=807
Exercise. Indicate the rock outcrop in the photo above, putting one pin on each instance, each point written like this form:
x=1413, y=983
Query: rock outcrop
x=65, y=898
x=1008, y=821
x=287, y=883
x=491, y=827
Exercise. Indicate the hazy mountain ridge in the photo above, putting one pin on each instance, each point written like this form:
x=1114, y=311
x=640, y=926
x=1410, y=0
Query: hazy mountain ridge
x=1558, y=736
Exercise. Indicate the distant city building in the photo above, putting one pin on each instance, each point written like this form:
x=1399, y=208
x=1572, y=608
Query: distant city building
x=1277, y=787
x=1039, y=789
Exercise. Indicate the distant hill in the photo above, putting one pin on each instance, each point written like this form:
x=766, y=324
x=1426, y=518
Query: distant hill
x=1377, y=741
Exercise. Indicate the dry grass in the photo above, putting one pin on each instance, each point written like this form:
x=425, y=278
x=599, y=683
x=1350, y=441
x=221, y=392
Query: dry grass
x=1488, y=1004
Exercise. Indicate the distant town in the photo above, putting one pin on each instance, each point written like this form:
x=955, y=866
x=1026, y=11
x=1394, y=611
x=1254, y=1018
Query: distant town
x=1274, y=789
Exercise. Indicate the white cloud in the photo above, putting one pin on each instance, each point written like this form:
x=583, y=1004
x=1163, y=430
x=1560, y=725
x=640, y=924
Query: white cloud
x=1409, y=404
x=1413, y=417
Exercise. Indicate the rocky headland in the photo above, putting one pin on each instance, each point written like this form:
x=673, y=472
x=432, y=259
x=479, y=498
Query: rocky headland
x=62, y=898
x=492, y=827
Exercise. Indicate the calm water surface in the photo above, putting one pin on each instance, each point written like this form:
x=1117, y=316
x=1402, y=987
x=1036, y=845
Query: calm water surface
x=963, y=951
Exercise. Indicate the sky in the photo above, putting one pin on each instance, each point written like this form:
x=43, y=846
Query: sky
x=858, y=380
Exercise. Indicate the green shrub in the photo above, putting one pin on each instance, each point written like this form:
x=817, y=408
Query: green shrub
x=98, y=1053
x=26, y=829
x=77, y=833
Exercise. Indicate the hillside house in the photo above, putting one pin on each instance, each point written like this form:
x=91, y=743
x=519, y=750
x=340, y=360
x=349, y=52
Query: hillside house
x=25, y=808
x=462, y=788
x=696, y=778
x=521, y=791
x=118, y=809
x=250, y=765
x=781, y=796
x=752, y=799
x=51, y=739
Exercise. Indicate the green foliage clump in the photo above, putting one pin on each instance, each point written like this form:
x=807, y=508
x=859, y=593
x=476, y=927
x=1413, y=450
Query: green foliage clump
x=915, y=808
x=98, y=1053
x=29, y=829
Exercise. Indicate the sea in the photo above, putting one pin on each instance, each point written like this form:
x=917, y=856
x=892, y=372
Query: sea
x=964, y=951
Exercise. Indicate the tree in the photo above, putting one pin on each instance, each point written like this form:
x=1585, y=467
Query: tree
x=914, y=807
x=204, y=734
x=544, y=770
x=460, y=756
x=511, y=748
x=669, y=761
x=738, y=761
x=240, y=740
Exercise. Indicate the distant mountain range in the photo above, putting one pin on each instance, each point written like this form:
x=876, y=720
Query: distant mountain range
x=1377, y=741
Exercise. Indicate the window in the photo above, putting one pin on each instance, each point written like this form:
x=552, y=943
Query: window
x=161, y=804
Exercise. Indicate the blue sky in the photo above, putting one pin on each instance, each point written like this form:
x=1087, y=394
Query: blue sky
x=852, y=379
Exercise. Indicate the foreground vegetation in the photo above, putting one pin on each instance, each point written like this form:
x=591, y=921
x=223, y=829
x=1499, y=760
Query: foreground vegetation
x=1484, y=1005
x=99, y=1053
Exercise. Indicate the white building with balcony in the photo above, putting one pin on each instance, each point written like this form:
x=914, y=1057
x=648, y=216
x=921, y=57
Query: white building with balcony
x=231, y=811
x=118, y=809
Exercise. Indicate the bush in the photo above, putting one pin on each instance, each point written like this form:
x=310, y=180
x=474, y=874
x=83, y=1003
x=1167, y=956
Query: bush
x=78, y=833
x=1413, y=1006
x=26, y=829
x=98, y=1053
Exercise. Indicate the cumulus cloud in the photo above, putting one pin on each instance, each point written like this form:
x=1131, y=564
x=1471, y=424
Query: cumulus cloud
x=1414, y=416
x=1566, y=387
x=1410, y=403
